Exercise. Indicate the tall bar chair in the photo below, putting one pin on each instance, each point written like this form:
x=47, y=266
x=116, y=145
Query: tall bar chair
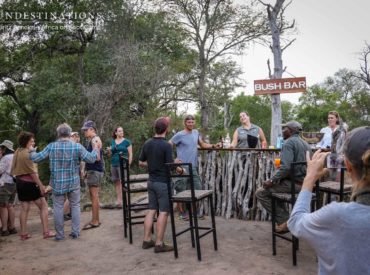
x=340, y=188
x=190, y=197
x=132, y=184
x=290, y=199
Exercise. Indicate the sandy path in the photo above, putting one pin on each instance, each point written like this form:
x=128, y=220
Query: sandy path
x=244, y=248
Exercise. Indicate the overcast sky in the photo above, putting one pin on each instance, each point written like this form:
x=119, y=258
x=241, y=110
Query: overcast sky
x=330, y=35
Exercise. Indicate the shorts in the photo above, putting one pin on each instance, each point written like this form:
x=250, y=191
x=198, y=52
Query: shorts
x=7, y=194
x=182, y=184
x=115, y=173
x=94, y=178
x=27, y=191
x=158, y=196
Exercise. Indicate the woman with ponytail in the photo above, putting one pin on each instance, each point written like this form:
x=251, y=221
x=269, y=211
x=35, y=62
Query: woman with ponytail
x=338, y=232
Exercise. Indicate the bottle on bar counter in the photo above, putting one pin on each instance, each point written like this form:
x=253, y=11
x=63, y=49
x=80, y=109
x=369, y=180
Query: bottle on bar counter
x=227, y=141
x=279, y=142
x=221, y=141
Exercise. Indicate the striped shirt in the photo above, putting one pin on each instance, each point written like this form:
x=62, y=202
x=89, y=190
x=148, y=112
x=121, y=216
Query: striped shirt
x=64, y=157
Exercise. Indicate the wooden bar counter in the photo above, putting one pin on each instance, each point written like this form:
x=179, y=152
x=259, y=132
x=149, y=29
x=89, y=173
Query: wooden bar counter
x=234, y=175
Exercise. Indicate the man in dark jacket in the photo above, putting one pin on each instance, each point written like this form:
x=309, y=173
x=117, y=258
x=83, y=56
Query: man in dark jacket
x=294, y=150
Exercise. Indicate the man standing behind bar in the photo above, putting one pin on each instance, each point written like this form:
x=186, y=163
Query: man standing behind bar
x=155, y=154
x=187, y=142
x=294, y=150
x=64, y=156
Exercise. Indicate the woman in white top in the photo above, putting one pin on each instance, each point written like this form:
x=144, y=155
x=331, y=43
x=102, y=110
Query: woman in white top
x=333, y=124
x=338, y=232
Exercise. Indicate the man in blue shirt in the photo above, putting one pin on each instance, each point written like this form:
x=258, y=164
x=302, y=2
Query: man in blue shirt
x=187, y=142
x=64, y=156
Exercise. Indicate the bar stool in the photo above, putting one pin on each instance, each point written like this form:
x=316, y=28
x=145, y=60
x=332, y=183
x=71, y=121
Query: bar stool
x=333, y=187
x=190, y=198
x=132, y=184
x=290, y=199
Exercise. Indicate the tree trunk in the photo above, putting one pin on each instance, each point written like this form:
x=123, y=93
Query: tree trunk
x=278, y=69
x=204, y=107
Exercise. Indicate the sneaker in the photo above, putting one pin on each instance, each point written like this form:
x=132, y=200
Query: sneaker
x=13, y=231
x=200, y=216
x=163, y=248
x=184, y=216
x=74, y=235
x=5, y=233
x=59, y=239
x=148, y=244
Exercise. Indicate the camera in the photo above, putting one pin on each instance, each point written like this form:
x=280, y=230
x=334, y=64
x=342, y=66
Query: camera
x=333, y=160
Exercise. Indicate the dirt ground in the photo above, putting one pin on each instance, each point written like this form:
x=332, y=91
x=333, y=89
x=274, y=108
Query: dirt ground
x=244, y=248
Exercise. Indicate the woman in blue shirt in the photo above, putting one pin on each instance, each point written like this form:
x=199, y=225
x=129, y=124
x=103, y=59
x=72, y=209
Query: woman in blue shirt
x=338, y=232
x=119, y=145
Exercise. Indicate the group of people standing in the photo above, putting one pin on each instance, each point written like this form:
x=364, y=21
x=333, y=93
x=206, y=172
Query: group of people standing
x=342, y=227
x=19, y=175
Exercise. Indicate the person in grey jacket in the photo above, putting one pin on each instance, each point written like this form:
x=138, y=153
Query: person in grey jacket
x=294, y=150
x=338, y=232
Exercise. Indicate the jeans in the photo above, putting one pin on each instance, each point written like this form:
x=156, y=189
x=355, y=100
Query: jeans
x=58, y=202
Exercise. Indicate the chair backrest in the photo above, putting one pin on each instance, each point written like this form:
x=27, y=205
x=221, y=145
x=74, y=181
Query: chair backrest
x=293, y=166
x=125, y=170
x=187, y=173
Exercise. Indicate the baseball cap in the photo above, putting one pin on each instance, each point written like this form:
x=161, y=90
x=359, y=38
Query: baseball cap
x=75, y=134
x=293, y=125
x=356, y=144
x=8, y=144
x=88, y=124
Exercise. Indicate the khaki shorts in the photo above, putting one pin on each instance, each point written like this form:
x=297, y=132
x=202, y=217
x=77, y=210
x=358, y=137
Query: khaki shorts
x=94, y=178
x=7, y=194
x=116, y=173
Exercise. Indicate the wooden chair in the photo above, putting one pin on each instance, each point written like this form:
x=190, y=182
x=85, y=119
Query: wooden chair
x=190, y=197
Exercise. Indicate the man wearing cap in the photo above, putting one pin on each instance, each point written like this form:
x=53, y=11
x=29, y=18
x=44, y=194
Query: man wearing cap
x=64, y=156
x=294, y=150
x=7, y=189
x=94, y=172
x=155, y=154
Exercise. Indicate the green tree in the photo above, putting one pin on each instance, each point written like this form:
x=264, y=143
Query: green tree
x=342, y=92
x=216, y=28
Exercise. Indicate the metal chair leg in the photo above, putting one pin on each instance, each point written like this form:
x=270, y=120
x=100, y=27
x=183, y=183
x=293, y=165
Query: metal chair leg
x=196, y=227
x=213, y=223
x=191, y=223
x=173, y=228
x=273, y=223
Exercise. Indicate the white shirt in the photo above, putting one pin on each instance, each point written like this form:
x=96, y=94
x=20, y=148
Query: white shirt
x=328, y=136
x=5, y=167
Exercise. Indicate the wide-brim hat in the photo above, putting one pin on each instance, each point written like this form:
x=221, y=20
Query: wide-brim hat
x=8, y=144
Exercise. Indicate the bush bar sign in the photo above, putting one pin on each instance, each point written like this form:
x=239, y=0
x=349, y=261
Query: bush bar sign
x=278, y=86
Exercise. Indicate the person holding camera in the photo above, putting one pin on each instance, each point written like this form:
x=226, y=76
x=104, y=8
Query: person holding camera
x=338, y=232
